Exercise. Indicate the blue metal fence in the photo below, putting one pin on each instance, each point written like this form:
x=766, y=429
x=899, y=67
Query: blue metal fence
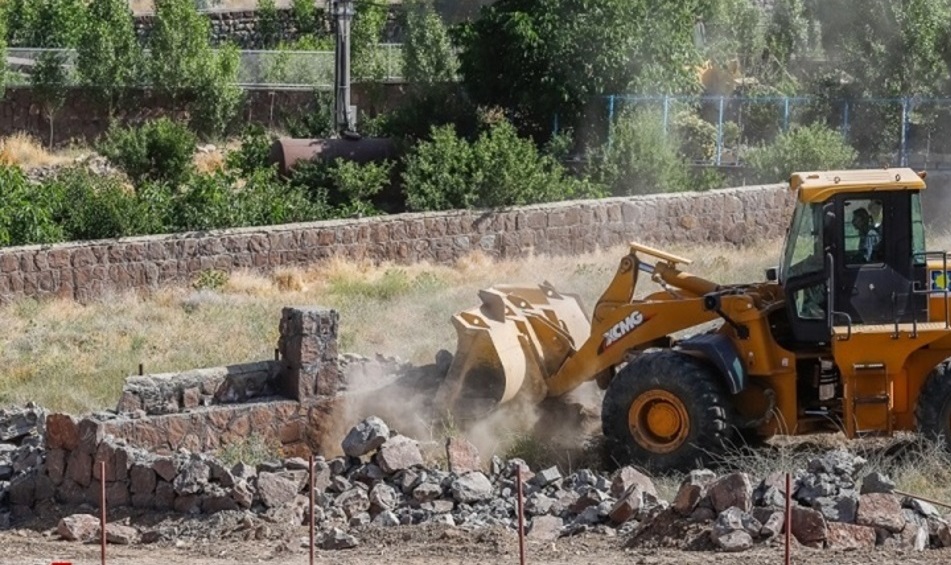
x=908, y=131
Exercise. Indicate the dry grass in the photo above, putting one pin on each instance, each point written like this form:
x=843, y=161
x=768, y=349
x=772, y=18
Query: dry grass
x=71, y=357
x=29, y=153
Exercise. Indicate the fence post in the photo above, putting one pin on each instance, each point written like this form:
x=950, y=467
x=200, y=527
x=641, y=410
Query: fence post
x=785, y=113
x=610, y=117
x=903, y=159
x=720, y=132
x=666, y=112
x=845, y=120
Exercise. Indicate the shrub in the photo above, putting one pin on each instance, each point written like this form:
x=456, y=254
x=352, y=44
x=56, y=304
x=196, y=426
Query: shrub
x=214, y=109
x=305, y=16
x=254, y=152
x=698, y=137
x=428, y=56
x=342, y=188
x=269, y=24
x=498, y=169
x=98, y=207
x=27, y=213
x=159, y=150
x=109, y=56
x=179, y=47
x=640, y=158
x=805, y=148
x=318, y=123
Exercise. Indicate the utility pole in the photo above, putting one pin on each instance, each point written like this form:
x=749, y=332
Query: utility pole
x=343, y=12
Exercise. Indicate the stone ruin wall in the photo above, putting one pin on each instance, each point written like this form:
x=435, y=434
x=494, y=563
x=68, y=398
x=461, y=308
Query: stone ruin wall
x=86, y=271
x=164, y=421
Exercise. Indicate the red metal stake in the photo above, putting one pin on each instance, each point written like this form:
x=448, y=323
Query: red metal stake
x=788, y=519
x=311, y=509
x=521, y=517
x=102, y=509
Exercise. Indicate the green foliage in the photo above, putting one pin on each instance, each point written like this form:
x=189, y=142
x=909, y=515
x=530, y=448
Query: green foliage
x=254, y=152
x=393, y=284
x=218, y=201
x=369, y=60
x=26, y=213
x=57, y=24
x=21, y=18
x=3, y=48
x=640, y=157
x=214, y=110
x=305, y=16
x=735, y=31
x=318, y=123
x=698, y=137
x=786, y=34
x=289, y=66
x=269, y=24
x=498, y=169
x=428, y=56
x=342, y=188
x=806, y=148
x=50, y=84
x=159, y=150
x=98, y=207
x=538, y=58
x=210, y=279
x=179, y=47
x=109, y=56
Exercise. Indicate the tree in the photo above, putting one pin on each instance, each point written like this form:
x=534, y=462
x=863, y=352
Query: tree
x=365, y=33
x=214, y=111
x=269, y=24
x=3, y=48
x=50, y=84
x=21, y=21
x=109, y=56
x=179, y=44
x=541, y=58
x=428, y=56
x=57, y=24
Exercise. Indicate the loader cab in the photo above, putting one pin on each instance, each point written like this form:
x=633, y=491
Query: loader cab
x=853, y=252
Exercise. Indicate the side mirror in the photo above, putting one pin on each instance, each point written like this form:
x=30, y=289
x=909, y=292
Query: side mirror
x=772, y=274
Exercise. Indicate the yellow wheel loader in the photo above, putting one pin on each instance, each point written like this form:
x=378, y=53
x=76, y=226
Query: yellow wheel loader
x=850, y=333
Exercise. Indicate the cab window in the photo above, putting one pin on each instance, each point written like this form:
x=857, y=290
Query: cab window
x=864, y=231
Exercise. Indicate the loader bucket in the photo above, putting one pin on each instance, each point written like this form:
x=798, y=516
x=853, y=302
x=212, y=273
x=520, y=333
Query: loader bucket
x=509, y=346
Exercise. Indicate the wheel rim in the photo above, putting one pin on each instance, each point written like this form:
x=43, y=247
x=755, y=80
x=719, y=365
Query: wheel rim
x=658, y=421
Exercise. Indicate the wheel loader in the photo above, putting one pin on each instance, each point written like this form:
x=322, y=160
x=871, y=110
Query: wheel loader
x=852, y=333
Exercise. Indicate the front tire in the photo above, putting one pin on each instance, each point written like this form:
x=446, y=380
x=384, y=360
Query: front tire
x=666, y=410
x=933, y=413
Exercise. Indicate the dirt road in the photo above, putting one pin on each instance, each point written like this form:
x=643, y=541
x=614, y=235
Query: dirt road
x=417, y=546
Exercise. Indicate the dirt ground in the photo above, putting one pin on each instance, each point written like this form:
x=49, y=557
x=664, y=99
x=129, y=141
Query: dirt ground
x=418, y=545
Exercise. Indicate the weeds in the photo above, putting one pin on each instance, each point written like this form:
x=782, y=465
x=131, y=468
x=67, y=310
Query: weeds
x=251, y=450
x=210, y=279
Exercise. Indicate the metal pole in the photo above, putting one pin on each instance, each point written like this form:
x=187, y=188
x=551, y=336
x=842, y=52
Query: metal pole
x=343, y=10
x=666, y=112
x=845, y=120
x=311, y=524
x=720, y=132
x=929, y=500
x=904, y=133
x=788, y=519
x=102, y=510
x=521, y=517
x=610, y=117
x=141, y=369
x=785, y=113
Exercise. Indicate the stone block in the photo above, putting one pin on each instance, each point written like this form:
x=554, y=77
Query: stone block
x=308, y=350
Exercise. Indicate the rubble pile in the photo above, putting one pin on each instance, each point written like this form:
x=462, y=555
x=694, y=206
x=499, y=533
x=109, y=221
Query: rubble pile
x=21, y=450
x=383, y=480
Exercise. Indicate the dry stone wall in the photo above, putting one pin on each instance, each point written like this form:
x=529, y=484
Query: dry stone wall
x=87, y=271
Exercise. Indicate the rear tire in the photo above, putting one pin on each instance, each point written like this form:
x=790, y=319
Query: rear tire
x=666, y=410
x=933, y=412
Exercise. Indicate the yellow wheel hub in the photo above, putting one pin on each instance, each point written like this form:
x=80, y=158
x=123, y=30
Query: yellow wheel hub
x=658, y=421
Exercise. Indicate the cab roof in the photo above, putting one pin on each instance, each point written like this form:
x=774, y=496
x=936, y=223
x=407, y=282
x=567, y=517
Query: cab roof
x=819, y=186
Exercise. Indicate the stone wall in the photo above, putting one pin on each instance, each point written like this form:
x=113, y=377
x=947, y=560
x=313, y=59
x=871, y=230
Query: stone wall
x=90, y=270
x=241, y=26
